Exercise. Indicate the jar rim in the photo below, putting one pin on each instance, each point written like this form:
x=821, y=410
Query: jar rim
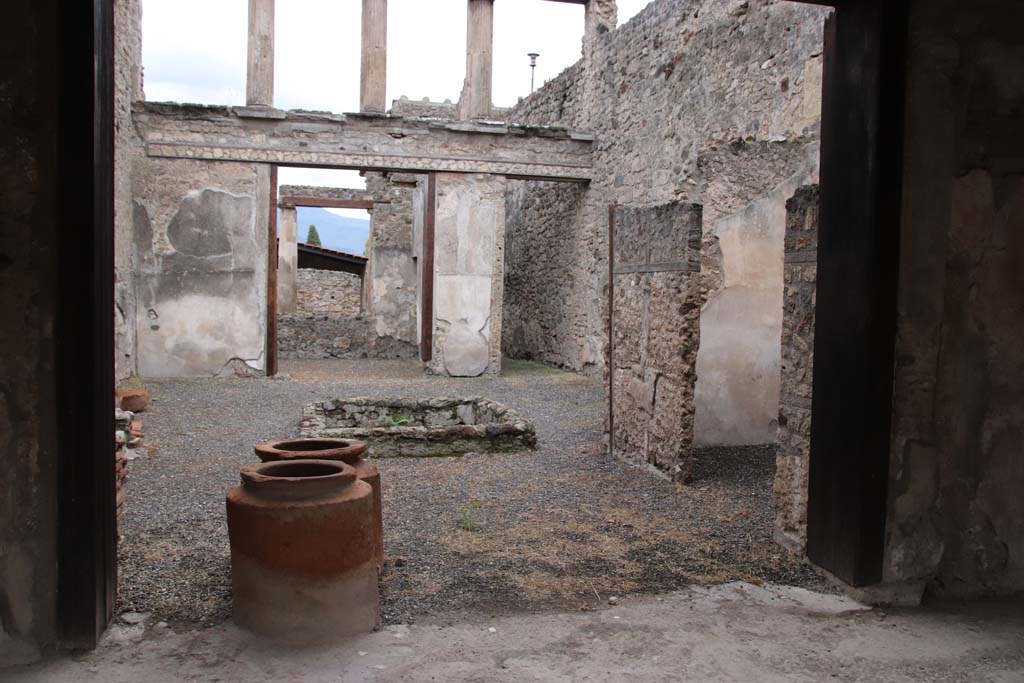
x=311, y=449
x=296, y=472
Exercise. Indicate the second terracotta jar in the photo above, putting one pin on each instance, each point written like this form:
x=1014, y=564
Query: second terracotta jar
x=345, y=450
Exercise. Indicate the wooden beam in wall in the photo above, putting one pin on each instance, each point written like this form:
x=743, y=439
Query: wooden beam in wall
x=858, y=265
x=327, y=203
x=427, y=270
x=80, y=40
x=272, y=257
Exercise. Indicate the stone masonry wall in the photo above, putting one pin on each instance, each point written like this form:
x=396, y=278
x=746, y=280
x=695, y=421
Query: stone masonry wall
x=329, y=323
x=955, y=512
x=656, y=333
x=329, y=292
x=423, y=108
x=312, y=336
x=542, y=309
x=681, y=77
x=794, y=430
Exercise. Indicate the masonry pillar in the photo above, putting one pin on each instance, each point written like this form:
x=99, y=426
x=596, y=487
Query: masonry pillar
x=288, y=260
x=469, y=270
x=373, y=75
x=259, y=85
x=476, y=91
x=600, y=17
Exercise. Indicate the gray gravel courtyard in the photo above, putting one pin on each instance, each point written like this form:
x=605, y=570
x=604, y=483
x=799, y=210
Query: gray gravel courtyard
x=563, y=527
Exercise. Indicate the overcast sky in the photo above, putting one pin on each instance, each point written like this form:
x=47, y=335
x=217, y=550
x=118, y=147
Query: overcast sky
x=195, y=51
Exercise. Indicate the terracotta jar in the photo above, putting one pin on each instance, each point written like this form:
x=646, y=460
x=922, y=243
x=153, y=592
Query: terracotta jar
x=133, y=400
x=302, y=551
x=345, y=450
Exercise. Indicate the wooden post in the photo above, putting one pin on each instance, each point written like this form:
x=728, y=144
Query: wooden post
x=862, y=128
x=272, y=277
x=427, y=282
x=611, y=329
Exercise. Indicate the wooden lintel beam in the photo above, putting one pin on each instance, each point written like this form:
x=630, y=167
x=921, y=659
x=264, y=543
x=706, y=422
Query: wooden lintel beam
x=328, y=203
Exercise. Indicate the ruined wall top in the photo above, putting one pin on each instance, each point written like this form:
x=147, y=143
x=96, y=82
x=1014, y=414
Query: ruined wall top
x=423, y=109
x=444, y=111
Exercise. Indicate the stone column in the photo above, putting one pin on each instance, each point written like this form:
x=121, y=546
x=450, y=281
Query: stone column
x=469, y=269
x=476, y=92
x=288, y=260
x=373, y=75
x=259, y=85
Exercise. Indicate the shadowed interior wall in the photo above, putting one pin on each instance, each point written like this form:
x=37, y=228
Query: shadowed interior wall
x=28, y=293
x=955, y=513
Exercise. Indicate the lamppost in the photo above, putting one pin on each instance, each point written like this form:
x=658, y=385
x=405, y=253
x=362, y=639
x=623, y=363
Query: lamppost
x=533, y=66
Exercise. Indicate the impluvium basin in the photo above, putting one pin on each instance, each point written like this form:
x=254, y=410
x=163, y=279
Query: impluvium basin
x=394, y=427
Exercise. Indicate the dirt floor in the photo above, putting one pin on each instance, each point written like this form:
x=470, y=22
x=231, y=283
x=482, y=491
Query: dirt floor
x=732, y=632
x=565, y=527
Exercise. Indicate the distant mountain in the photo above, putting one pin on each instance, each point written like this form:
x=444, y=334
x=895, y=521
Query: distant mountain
x=336, y=232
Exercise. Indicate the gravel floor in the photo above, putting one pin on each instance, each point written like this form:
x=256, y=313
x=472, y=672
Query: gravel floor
x=565, y=526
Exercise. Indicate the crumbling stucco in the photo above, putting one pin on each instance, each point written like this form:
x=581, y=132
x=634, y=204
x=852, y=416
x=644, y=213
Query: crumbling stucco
x=469, y=258
x=201, y=245
x=748, y=184
x=127, y=89
x=391, y=282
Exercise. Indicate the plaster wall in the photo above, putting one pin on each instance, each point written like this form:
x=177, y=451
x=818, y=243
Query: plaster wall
x=28, y=300
x=287, y=260
x=955, y=513
x=469, y=260
x=201, y=247
x=391, y=282
x=737, y=394
x=127, y=89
